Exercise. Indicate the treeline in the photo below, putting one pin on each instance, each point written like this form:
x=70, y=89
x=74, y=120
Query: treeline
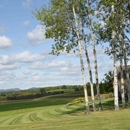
x=105, y=87
x=27, y=94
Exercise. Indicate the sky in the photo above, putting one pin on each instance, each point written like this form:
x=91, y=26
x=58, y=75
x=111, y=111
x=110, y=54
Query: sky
x=24, y=52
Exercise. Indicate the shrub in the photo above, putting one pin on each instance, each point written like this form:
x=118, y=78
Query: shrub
x=111, y=95
x=105, y=96
x=3, y=94
x=77, y=100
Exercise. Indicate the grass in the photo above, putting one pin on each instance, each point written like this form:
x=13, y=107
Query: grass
x=49, y=113
x=60, y=90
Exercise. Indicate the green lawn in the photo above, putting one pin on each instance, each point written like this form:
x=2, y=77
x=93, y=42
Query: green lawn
x=50, y=113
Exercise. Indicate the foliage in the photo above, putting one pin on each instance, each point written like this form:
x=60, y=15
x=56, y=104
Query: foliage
x=117, y=21
x=58, y=21
x=108, y=82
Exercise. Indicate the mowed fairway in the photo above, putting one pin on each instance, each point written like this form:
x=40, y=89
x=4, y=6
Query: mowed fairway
x=50, y=113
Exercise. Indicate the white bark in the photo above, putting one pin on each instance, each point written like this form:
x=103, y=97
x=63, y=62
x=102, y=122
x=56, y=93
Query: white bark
x=81, y=61
x=116, y=104
x=95, y=58
x=122, y=84
x=89, y=68
x=121, y=74
x=127, y=74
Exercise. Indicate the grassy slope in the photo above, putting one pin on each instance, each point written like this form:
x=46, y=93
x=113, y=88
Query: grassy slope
x=50, y=114
x=64, y=90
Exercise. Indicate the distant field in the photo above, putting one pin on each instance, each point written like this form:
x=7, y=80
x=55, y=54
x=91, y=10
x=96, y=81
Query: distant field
x=50, y=113
x=60, y=90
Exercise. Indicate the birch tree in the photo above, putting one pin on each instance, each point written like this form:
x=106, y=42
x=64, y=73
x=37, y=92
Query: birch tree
x=81, y=59
x=123, y=19
x=81, y=18
x=127, y=74
x=116, y=104
x=111, y=13
x=94, y=52
x=121, y=73
x=85, y=11
x=126, y=26
x=121, y=60
x=108, y=34
x=89, y=68
x=62, y=26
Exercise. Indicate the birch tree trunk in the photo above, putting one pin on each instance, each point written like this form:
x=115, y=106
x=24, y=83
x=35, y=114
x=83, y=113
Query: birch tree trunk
x=81, y=62
x=95, y=57
x=116, y=104
x=127, y=74
x=121, y=74
x=89, y=67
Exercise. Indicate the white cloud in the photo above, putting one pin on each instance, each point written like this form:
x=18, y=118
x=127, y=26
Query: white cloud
x=64, y=68
x=2, y=82
x=5, y=42
x=4, y=59
x=23, y=77
x=10, y=67
x=52, y=65
x=36, y=78
x=71, y=70
x=24, y=57
x=58, y=64
x=26, y=72
x=27, y=3
x=26, y=24
x=8, y=72
x=36, y=36
x=34, y=74
x=37, y=66
x=7, y=75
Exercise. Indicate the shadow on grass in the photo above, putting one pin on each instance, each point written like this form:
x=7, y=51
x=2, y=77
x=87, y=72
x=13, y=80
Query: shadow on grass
x=106, y=105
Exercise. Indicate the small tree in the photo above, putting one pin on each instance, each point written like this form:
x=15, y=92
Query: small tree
x=42, y=91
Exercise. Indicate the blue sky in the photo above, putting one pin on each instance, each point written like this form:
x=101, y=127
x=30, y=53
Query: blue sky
x=24, y=58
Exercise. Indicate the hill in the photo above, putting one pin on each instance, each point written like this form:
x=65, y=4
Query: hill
x=10, y=90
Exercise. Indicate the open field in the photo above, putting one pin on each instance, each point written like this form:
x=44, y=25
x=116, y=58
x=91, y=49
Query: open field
x=50, y=113
x=64, y=90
